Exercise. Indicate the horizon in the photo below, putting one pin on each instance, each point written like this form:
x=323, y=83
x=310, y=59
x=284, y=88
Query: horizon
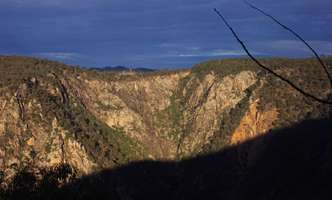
x=158, y=35
x=162, y=68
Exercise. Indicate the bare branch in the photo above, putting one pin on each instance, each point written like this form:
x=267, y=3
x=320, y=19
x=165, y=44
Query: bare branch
x=296, y=35
x=266, y=68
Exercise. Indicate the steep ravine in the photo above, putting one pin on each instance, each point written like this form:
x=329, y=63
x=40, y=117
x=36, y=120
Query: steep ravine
x=52, y=114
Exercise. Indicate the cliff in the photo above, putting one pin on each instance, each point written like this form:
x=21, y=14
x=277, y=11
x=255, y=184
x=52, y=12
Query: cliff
x=52, y=114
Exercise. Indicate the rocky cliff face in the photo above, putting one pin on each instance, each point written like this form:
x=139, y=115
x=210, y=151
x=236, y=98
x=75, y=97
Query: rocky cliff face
x=51, y=114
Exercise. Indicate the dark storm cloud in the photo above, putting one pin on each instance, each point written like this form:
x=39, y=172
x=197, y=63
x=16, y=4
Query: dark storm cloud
x=157, y=33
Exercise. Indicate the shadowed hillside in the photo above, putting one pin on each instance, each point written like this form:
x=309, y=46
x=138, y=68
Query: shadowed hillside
x=293, y=163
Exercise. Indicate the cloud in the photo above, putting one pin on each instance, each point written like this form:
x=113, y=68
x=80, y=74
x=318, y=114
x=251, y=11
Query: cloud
x=214, y=53
x=58, y=55
x=297, y=48
x=156, y=32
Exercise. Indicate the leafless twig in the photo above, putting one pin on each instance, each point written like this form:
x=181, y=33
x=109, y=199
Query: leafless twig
x=296, y=35
x=266, y=68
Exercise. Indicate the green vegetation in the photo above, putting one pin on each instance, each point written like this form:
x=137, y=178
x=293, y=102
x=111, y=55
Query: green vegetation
x=229, y=121
x=223, y=68
x=110, y=147
x=170, y=119
x=292, y=106
x=106, y=107
x=19, y=69
x=106, y=146
x=127, y=76
x=28, y=185
x=233, y=66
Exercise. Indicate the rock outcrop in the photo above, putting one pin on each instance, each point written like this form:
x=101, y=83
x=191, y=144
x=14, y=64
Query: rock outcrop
x=51, y=114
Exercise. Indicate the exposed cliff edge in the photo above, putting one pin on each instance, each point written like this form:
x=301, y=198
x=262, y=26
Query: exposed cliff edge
x=53, y=115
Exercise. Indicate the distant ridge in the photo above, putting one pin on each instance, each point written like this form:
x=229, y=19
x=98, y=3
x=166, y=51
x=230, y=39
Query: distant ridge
x=122, y=68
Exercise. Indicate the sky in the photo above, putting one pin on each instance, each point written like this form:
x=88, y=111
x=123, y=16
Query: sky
x=159, y=33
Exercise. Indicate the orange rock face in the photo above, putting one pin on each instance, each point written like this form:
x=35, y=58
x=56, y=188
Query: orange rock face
x=254, y=123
